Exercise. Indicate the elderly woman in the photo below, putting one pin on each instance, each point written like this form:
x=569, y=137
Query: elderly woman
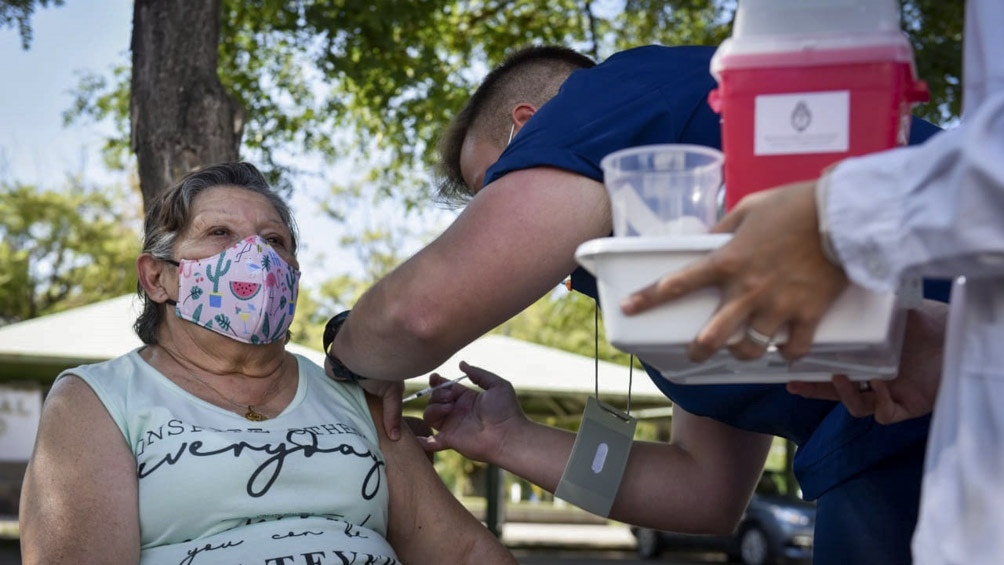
x=211, y=443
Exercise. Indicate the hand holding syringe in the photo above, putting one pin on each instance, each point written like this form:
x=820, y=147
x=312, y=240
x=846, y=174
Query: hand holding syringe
x=426, y=391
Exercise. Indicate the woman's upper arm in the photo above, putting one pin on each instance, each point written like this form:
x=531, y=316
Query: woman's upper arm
x=79, y=502
x=427, y=523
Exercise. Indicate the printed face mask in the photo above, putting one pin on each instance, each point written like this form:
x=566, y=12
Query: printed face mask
x=247, y=293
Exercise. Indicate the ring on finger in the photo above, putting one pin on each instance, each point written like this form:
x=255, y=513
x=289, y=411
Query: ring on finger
x=864, y=386
x=758, y=338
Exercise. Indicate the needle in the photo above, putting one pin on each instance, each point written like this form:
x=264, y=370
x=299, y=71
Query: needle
x=426, y=391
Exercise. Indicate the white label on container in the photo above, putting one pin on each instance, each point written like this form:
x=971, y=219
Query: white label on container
x=808, y=122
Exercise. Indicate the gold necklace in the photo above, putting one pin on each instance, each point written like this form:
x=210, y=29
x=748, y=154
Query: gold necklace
x=250, y=413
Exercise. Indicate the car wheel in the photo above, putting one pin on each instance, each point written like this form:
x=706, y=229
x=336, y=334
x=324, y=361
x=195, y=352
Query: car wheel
x=754, y=547
x=649, y=546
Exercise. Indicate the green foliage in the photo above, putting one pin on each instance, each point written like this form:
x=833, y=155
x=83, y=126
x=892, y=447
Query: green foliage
x=374, y=76
x=98, y=97
x=313, y=309
x=64, y=249
x=564, y=320
x=935, y=30
x=676, y=22
x=456, y=470
x=17, y=13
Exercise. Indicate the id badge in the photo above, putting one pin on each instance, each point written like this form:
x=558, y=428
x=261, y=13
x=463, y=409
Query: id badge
x=593, y=473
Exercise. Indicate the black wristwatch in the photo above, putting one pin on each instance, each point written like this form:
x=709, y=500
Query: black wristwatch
x=340, y=371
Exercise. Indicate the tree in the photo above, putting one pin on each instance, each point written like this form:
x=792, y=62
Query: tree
x=181, y=115
x=63, y=249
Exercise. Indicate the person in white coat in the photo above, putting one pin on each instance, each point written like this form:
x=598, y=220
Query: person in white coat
x=932, y=210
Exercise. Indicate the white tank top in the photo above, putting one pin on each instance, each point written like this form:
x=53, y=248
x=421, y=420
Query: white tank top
x=306, y=486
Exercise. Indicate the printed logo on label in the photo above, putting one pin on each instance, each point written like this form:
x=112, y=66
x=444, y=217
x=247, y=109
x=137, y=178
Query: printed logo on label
x=801, y=117
x=800, y=123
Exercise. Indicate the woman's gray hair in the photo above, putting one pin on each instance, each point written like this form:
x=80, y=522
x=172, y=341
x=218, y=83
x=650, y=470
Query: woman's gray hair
x=170, y=213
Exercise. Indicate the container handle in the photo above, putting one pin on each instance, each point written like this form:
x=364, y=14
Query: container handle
x=918, y=92
x=715, y=100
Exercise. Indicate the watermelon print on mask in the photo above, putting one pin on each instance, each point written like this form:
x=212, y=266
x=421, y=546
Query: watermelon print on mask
x=247, y=293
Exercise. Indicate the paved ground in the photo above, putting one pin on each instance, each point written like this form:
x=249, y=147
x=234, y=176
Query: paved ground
x=528, y=535
x=603, y=557
x=587, y=544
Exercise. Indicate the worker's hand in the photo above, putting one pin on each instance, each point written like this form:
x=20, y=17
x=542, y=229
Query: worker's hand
x=772, y=274
x=390, y=394
x=472, y=422
x=912, y=393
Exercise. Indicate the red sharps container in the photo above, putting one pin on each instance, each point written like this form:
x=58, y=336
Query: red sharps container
x=805, y=83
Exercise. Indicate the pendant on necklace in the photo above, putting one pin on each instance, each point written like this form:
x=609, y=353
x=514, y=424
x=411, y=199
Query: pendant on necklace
x=254, y=416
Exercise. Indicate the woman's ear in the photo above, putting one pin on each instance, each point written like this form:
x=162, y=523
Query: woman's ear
x=156, y=278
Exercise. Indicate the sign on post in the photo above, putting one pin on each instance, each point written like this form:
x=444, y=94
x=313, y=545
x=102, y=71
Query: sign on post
x=20, y=410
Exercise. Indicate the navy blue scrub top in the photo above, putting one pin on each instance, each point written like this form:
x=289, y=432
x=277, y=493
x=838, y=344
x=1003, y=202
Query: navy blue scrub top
x=657, y=94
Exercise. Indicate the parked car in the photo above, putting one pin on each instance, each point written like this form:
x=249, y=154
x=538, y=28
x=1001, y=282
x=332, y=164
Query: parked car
x=775, y=528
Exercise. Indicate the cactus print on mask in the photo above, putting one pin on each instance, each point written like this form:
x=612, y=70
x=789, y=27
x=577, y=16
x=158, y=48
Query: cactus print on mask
x=247, y=293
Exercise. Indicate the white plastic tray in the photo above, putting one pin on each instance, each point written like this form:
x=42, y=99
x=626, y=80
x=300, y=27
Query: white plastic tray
x=860, y=336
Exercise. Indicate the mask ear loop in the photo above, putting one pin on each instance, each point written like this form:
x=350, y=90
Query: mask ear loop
x=512, y=131
x=170, y=301
x=626, y=416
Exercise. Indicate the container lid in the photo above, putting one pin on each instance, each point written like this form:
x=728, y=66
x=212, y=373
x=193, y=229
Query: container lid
x=773, y=33
x=588, y=252
x=787, y=18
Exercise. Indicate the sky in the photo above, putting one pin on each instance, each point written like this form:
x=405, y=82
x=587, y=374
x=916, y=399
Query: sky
x=35, y=147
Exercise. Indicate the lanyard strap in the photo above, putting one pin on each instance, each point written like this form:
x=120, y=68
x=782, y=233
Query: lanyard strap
x=596, y=359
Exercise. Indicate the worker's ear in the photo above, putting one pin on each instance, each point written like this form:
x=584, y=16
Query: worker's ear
x=522, y=114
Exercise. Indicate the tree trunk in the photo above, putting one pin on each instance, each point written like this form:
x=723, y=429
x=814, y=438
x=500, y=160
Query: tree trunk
x=182, y=118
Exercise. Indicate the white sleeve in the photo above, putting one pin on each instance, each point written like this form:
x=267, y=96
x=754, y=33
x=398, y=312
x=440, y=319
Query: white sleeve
x=936, y=209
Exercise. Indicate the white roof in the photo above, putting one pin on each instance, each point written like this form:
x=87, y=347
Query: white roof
x=96, y=332
x=103, y=330
x=533, y=367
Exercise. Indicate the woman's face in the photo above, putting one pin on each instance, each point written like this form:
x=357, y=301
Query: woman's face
x=224, y=215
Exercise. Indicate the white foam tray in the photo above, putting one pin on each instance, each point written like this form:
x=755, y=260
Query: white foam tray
x=860, y=335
